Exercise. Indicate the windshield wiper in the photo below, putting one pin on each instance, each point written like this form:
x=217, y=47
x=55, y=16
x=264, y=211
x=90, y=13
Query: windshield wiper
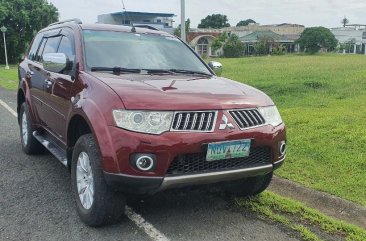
x=158, y=71
x=115, y=70
x=192, y=72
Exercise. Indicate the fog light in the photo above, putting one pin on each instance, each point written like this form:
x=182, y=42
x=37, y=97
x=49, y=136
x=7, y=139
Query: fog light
x=282, y=148
x=143, y=162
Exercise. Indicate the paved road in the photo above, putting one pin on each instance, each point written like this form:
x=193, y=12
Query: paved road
x=36, y=204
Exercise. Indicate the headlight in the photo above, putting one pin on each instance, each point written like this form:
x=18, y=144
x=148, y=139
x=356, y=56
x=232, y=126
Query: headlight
x=151, y=122
x=271, y=115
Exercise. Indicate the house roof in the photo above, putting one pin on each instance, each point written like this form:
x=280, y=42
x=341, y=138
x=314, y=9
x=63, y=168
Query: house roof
x=129, y=14
x=255, y=36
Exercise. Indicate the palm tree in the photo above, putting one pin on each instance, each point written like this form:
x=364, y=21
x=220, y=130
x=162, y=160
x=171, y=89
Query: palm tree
x=345, y=21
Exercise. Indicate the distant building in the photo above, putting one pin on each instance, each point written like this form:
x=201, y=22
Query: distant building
x=282, y=29
x=161, y=21
x=201, y=39
x=285, y=40
x=352, y=37
x=284, y=34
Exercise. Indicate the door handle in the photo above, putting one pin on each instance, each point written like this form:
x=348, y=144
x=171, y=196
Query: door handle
x=48, y=82
x=29, y=74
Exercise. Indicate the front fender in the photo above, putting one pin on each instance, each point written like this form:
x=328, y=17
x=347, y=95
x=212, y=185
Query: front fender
x=97, y=122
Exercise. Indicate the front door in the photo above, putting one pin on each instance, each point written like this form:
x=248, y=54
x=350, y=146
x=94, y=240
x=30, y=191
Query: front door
x=57, y=90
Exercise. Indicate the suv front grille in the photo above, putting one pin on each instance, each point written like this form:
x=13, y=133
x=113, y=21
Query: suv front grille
x=199, y=121
x=196, y=163
x=247, y=118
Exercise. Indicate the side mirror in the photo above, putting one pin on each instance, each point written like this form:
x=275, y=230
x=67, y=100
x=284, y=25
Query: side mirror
x=216, y=67
x=55, y=62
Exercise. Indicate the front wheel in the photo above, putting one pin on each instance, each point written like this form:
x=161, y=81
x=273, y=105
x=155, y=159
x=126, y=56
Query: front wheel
x=250, y=186
x=96, y=203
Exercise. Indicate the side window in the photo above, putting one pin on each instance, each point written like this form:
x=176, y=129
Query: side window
x=66, y=47
x=35, y=44
x=51, y=45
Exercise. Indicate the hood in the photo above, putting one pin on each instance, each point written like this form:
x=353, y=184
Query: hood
x=180, y=92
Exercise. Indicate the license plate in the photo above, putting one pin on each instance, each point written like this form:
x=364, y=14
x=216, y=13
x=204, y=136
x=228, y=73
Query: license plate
x=228, y=149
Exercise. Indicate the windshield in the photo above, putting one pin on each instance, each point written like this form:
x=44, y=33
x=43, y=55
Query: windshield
x=138, y=51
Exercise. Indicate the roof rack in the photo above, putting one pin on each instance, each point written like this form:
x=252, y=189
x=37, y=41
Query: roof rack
x=75, y=20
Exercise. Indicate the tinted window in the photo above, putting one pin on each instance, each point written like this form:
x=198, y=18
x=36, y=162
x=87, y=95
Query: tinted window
x=51, y=45
x=33, y=50
x=138, y=51
x=66, y=47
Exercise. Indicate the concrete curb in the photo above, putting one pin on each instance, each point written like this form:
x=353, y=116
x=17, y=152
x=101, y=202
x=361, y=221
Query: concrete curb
x=331, y=205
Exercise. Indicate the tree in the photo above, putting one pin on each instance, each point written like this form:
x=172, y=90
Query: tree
x=263, y=46
x=214, y=21
x=23, y=19
x=345, y=21
x=233, y=48
x=219, y=42
x=177, y=31
x=316, y=38
x=245, y=22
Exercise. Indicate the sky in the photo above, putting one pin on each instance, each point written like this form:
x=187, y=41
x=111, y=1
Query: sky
x=327, y=13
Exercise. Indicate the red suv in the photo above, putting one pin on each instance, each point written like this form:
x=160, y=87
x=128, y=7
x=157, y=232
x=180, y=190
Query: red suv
x=136, y=111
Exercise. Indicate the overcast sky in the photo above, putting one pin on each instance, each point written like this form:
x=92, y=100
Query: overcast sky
x=326, y=13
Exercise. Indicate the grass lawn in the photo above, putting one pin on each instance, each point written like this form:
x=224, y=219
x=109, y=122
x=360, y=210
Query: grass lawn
x=309, y=223
x=9, y=78
x=322, y=100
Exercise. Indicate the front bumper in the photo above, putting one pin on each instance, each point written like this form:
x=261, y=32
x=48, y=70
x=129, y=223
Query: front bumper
x=168, y=146
x=151, y=185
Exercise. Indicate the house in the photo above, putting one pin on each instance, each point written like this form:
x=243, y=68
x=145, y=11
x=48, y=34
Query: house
x=161, y=21
x=201, y=39
x=285, y=40
x=352, y=37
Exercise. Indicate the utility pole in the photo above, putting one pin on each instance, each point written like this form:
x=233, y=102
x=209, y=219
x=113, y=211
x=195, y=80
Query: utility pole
x=3, y=29
x=183, y=21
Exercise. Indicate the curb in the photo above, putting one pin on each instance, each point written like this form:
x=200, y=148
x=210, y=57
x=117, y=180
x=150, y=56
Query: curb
x=326, y=203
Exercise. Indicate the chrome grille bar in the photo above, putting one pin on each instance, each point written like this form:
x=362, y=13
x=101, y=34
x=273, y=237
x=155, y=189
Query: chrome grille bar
x=201, y=121
x=186, y=122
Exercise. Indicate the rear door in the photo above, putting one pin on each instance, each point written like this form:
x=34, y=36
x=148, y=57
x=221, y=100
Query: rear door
x=36, y=76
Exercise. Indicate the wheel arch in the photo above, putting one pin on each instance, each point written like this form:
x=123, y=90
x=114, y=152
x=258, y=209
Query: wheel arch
x=20, y=101
x=90, y=120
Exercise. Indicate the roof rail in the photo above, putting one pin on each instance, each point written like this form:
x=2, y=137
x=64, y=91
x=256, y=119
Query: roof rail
x=145, y=26
x=75, y=20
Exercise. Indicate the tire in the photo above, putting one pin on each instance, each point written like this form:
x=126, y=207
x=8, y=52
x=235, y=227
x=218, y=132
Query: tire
x=30, y=144
x=106, y=206
x=249, y=187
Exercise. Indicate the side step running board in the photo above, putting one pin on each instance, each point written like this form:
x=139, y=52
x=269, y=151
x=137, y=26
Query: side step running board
x=51, y=147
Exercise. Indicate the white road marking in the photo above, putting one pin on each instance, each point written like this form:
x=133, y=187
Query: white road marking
x=147, y=227
x=14, y=113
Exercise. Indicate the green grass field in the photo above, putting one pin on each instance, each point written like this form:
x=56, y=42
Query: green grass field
x=9, y=78
x=322, y=100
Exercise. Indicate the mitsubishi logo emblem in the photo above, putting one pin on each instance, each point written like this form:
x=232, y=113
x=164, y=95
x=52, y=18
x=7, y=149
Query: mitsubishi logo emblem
x=225, y=124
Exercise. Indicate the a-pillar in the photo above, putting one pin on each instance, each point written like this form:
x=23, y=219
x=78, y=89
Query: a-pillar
x=355, y=48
